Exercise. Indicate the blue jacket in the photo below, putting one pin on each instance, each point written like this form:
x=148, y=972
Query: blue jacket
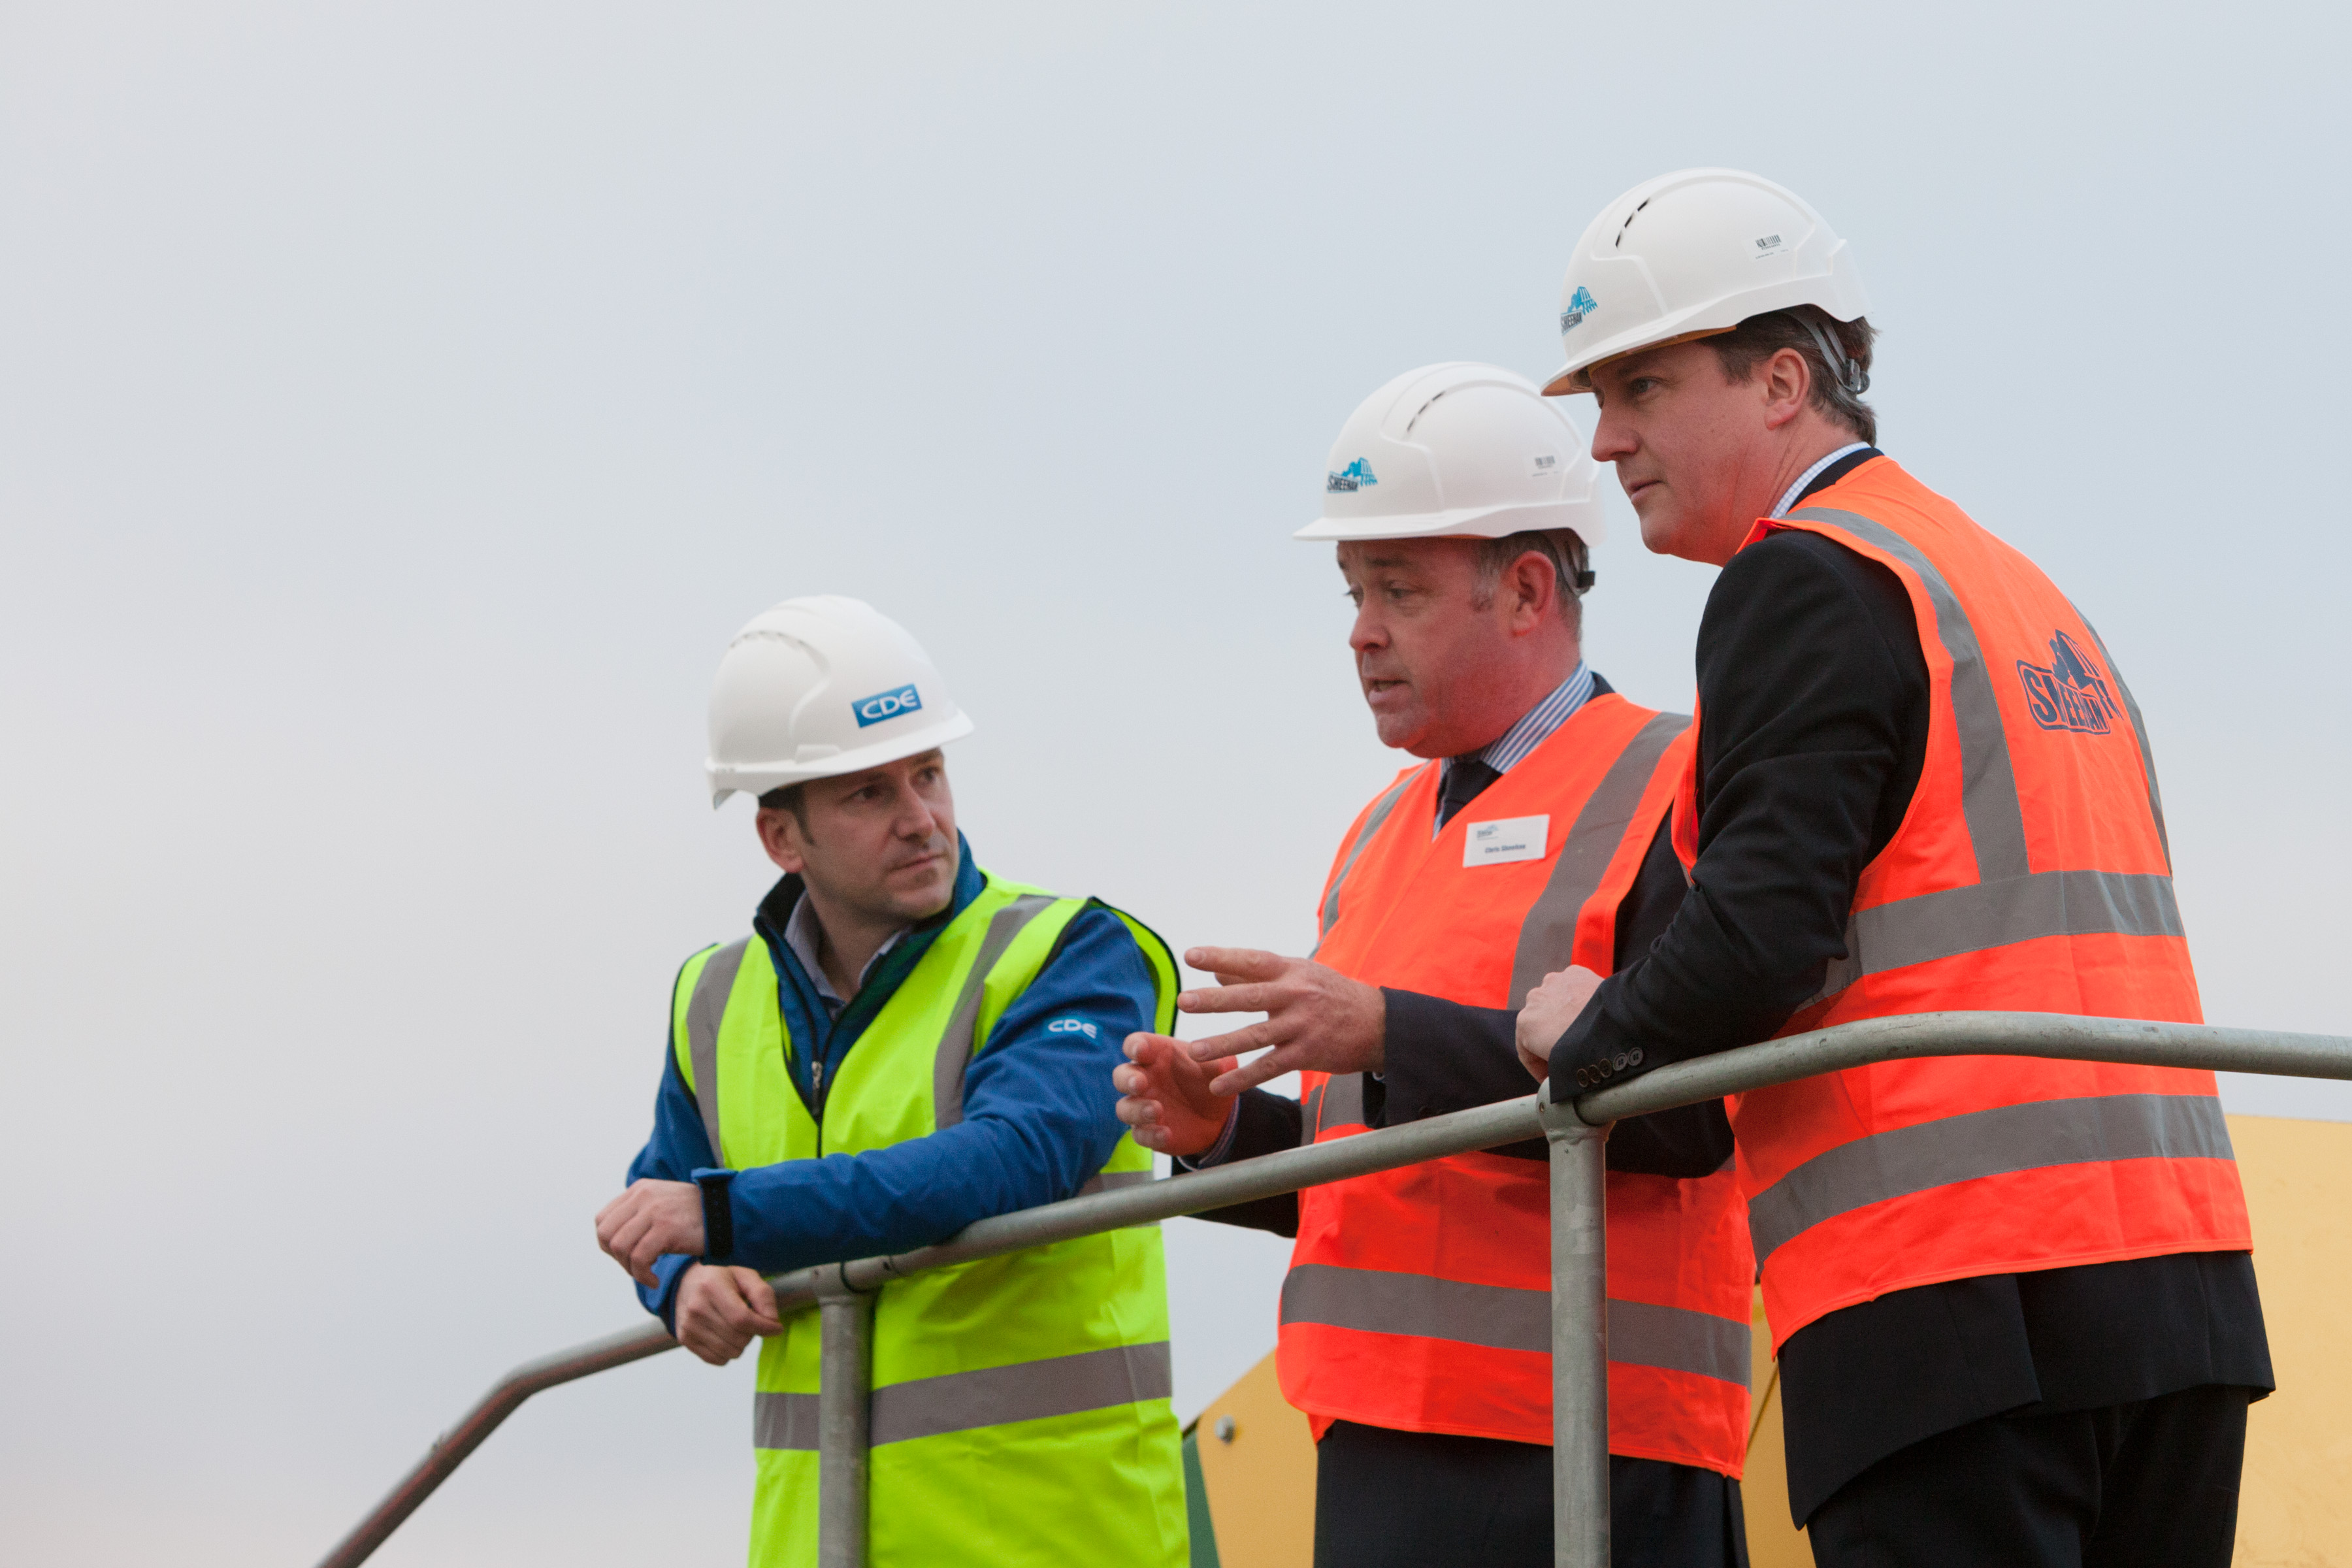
x=1038, y=1107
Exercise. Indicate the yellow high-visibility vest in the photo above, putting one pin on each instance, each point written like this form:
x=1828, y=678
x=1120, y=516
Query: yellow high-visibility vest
x=1020, y=1405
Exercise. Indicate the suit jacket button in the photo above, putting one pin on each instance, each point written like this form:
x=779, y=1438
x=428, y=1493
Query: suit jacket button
x=1634, y=1055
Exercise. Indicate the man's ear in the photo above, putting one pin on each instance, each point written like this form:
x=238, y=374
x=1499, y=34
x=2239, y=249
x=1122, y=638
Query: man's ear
x=1532, y=584
x=780, y=835
x=1788, y=385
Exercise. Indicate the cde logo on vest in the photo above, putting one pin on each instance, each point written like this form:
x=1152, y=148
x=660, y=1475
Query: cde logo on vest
x=2070, y=694
x=886, y=705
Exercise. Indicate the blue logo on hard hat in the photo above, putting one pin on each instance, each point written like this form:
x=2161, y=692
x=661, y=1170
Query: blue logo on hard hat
x=2070, y=694
x=1356, y=475
x=884, y=705
x=1580, y=304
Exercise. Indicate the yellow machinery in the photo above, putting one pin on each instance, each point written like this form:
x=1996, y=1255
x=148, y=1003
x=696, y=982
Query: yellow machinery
x=1251, y=1462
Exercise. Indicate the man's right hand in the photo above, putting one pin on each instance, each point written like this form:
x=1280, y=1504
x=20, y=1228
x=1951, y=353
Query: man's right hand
x=721, y=1310
x=1167, y=1099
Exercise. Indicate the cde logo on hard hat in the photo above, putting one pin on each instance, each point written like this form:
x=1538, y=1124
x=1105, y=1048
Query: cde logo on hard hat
x=2072, y=693
x=1580, y=304
x=885, y=705
x=1356, y=475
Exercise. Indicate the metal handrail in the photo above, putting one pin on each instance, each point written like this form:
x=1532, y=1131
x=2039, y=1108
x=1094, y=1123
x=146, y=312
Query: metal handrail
x=1575, y=1130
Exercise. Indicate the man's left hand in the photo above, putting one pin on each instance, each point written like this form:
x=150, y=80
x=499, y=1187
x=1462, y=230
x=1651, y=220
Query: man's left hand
x=1316, y=1019
x=1550, y=1008
x=649, y=1220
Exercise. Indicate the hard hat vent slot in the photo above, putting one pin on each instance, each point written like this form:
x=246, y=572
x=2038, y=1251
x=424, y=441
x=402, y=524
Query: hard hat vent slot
x=1627, y=223
x=1419, y=411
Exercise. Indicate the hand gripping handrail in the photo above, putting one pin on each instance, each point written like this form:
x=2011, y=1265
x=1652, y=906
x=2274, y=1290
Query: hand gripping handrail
x=1576, y=1131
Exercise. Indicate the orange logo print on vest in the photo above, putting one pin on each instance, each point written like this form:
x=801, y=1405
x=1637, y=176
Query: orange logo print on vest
x=2070, y=694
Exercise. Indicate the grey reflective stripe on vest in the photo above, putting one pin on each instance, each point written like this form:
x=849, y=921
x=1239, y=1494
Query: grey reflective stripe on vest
x=2139, y=733
x=1994, y=914
x=956, y=1044
x=1501, y=1317
x=1548, y=935
x=2033, y=1136
x=2008, y=902
x=1988, y=780
x=995, y=1396
x=1380, y=814
x=704, y=1010
x=1336, y=1101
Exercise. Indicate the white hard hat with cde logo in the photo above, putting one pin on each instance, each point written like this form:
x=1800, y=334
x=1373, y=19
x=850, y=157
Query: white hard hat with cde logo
x=1458, y=449
x=1692, y=253
x=818, y=687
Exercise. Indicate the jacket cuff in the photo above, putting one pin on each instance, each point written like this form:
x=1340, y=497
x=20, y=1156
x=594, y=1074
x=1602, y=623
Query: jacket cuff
x=718, y=1215
x=1591, y=1071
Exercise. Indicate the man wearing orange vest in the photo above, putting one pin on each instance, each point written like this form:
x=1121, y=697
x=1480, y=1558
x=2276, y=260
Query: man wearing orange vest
x=1415, y=1321
x=2013, y=1299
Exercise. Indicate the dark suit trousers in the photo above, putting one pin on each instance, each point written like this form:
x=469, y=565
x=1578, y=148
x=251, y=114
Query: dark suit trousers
x=1425, y=1499
x=2151, y=1484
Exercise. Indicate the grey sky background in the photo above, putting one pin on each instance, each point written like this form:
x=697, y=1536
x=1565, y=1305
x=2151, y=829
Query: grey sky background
x=400, y=405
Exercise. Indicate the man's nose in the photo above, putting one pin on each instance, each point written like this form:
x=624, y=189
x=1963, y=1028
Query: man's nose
x=1612, y=438
x=1367, y=633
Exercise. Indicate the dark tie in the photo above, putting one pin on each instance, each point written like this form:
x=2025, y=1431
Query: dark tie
x=1465, y=779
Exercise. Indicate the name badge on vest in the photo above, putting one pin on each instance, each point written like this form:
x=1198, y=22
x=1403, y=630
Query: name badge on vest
x=1506, y=839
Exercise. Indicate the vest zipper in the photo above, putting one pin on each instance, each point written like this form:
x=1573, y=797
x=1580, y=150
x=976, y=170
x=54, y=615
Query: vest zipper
x=818, y=1066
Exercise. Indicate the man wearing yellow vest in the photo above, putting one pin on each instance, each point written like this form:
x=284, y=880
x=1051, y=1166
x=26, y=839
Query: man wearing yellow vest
x=905, y=1043
x=2013, y=1299
x=1415, y=1321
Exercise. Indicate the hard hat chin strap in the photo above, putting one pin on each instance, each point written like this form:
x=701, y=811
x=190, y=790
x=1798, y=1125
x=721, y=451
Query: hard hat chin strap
x=1849, y=371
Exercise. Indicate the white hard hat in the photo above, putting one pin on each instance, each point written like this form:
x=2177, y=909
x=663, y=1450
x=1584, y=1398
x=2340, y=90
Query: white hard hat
x=819, y=687
x=1698, y=252
x=1458, y=449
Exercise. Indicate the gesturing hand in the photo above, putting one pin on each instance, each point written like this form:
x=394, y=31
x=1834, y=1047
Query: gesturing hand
x=1551, y=1007
x=721, y=1310
x=1167, y=1098
x=650, y=1219
x=1316, y=1018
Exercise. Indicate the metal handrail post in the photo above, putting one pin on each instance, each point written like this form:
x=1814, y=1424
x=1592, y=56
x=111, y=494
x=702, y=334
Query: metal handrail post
x=845, y=1409
x=1580, y=1336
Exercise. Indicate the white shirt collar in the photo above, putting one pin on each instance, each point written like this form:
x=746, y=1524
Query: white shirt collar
x=1789, y=497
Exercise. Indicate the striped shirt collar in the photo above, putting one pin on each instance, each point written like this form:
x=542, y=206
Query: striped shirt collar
x=1536, y=724
x=803, y=936
x=1796, y=493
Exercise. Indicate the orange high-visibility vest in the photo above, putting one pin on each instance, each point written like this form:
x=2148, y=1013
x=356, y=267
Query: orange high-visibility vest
x=2030, y=875
x=1419, y=1300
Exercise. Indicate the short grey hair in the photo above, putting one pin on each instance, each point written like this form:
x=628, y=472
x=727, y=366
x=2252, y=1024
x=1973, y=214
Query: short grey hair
x=1571, y=571
x=1809, y=330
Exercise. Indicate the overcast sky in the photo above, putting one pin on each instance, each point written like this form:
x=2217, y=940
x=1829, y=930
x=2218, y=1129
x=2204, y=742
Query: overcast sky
x=401, y=406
